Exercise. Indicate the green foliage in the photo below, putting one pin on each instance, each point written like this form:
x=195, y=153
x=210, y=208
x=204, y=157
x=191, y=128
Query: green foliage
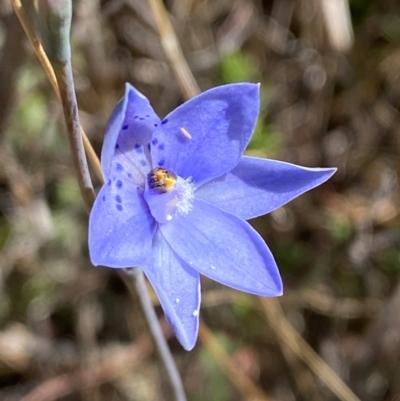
x=40, y=285
x=243, y=306
x=5, y=307
x=68, y=231
x=265, y=138
x=349, y=283
x=29, y=117
x=218, y=387
x=67, y=193
x=32, y=122
x=238, y=67
x=291, y=256
x=5, y=231
x=340, y=230
x=390, y=28
x=389, y=261
x=361, y=8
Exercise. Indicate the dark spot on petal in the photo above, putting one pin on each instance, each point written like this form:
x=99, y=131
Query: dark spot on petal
x=161, y=146
x=156, y=125
x=104, y=198
x=119, y=183
x=119, y=167
x=137, y=145
x=161, y=162
x=125, y=127
x=141, y=118
x=154, y=141
x=129, y=175
x=143, y=162
x=147, y=115
x=164, y=121
x=116, y=146
x=119, y=207
x=118, y=199
x=135, y=117
x=148, y=146
x=109, y=182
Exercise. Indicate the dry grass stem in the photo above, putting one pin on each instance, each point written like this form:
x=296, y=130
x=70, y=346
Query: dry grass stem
x=41, y=55
x=249, y=390
x=338, y=24
x=173, y=50
x=289, y=337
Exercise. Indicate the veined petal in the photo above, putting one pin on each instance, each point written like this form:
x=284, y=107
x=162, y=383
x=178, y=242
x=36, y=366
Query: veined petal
x=133, y=165
x=259, y=186
x=121, y=227
x=205, y=137
x=129, y=129
x=225, y=248
x=178, y=289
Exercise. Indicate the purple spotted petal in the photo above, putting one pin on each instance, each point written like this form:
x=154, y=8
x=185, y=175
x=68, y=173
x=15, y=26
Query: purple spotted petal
x=178, y=289
x=206, y=136
x=134, y=165
x=259, y=186
x=129, y=131
x=196, y=224
x=121, y=227
x=225, y=248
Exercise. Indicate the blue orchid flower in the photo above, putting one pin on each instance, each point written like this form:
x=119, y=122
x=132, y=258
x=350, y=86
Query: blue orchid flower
x=177, y=193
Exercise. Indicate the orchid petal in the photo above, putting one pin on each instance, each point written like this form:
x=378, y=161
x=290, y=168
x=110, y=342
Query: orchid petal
x=178, y=289
x=189, y=217
x=224, y=248
x=129, y=131
x=121, y=227
x=259, y=186
x=205, y=137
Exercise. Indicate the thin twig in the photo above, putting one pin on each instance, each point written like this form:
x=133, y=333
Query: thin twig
x=289, y=337
x=157, y=333
x=41, y=55
x=173, y=51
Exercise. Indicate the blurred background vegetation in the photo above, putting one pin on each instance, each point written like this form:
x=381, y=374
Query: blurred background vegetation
x=330, y=75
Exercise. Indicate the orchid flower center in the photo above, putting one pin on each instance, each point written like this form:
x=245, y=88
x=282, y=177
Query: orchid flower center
x=167, y=194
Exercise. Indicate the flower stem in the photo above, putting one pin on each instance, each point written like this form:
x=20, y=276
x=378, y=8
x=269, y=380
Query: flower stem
x=157, y=334
x=54, y=19
x=63, y=72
